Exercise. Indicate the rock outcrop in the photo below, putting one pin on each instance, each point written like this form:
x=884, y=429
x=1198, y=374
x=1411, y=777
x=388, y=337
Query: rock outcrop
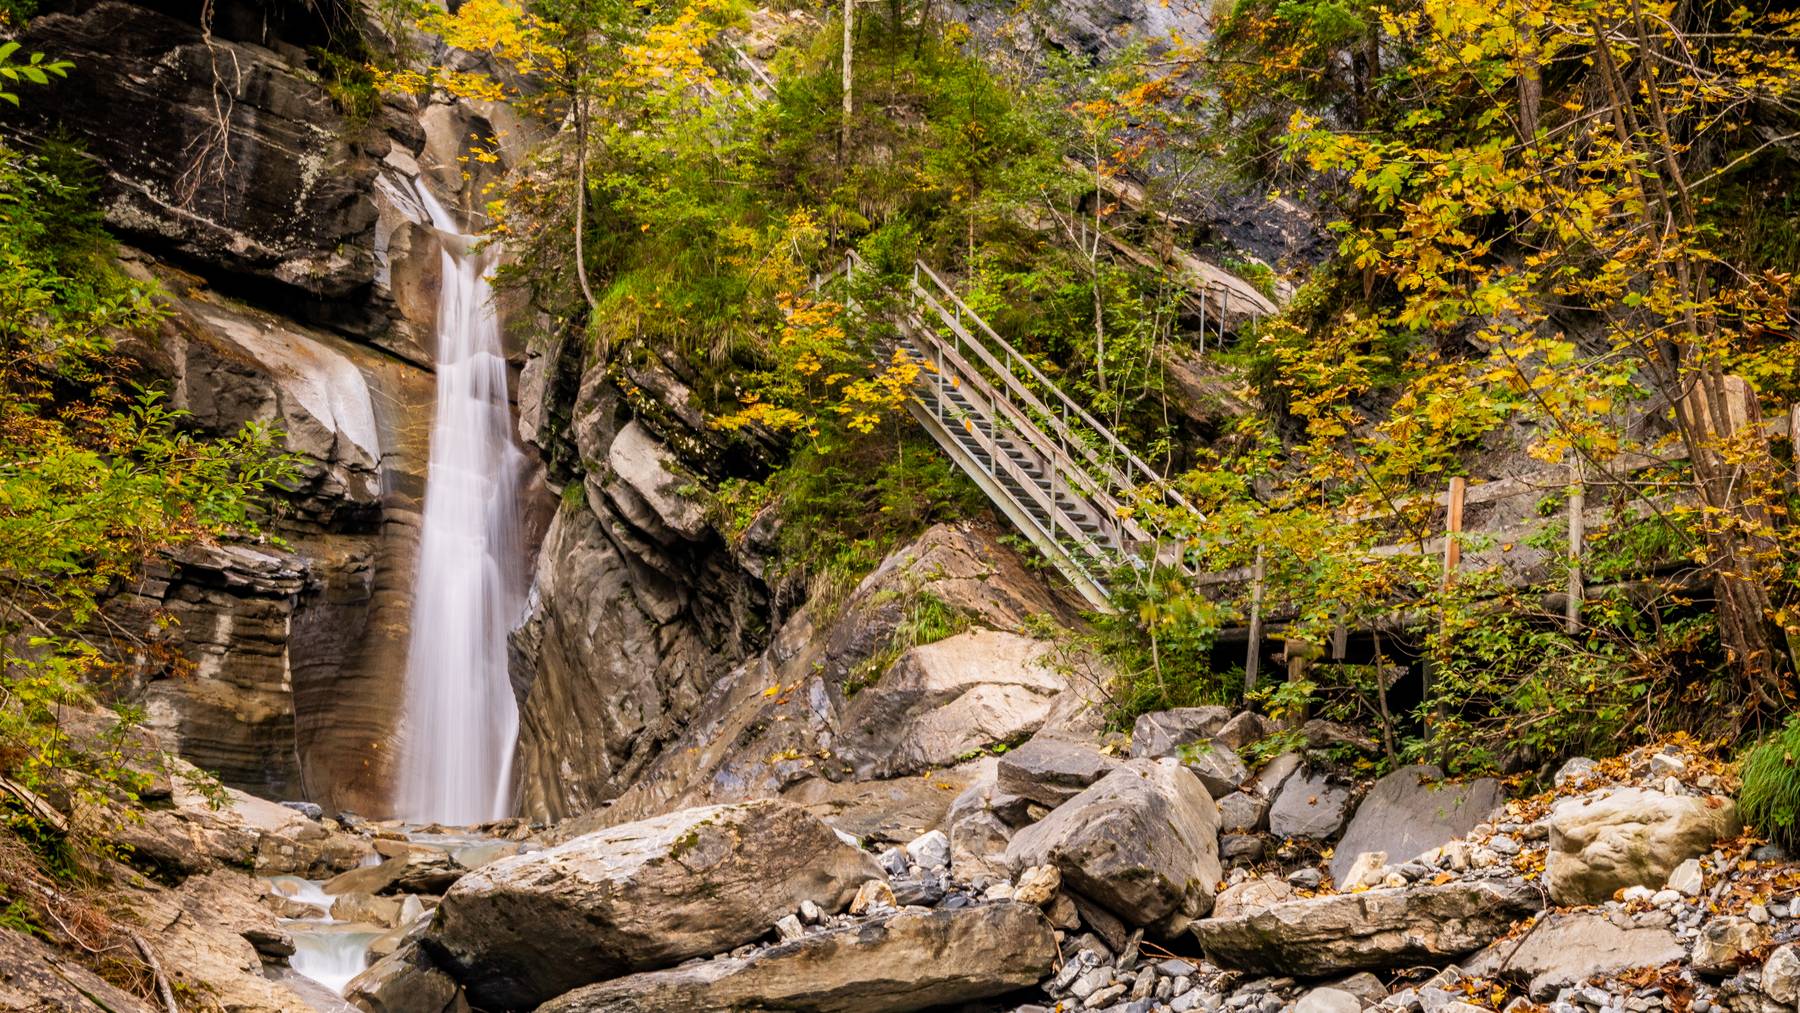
x=637, y=897
x=909, y=960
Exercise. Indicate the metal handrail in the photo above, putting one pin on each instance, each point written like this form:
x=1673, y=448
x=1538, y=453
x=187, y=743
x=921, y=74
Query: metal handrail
x=1013, y=354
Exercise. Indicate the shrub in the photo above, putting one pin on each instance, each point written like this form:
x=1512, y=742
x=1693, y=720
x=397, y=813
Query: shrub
x=1770, y=798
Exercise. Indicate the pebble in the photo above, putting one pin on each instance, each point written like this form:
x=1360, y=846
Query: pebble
x=1175, y=968
x=810, y=913
x=1667, y=765
x=1636, y=893
x=1090, y=982
x=1666, y=898
x=1504, y=845
x=1757, y=913
x=1105, y=997
x=1305, y=879
x=789, y=928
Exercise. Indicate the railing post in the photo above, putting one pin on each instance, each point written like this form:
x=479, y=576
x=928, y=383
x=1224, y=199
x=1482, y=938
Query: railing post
x=1253, y=656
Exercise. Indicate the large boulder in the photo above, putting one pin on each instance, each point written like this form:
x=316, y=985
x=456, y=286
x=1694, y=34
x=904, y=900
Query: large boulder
x=1141, y=842
x=1051, y=771
x=907, y=961
x=405, y=981
x=1308, y=805
x=637, y=897
x=1566, y=949
x=36, y=976
x=1160, y=733
x=1321, y=936
x=943, y=700
x=1632, y=837
x=1411, y=811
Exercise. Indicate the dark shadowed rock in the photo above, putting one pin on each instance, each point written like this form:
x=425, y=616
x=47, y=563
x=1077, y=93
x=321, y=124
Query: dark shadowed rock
x=1335, y=934
x=906, y=961
x=637, y=897
x=1142, y=841
x=1309, y=805
x=1411, y=811
x=1051, y=771
x=405, y=981
x=1158, y=733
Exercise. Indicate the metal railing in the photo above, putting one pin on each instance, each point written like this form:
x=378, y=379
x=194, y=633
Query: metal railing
x=1062, y=476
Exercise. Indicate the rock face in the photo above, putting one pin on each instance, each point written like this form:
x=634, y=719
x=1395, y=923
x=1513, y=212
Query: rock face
x=405, y=981
x=909, y=961
x=1567, y=949
x=1335, y=934
x=637, y=897
x=294, y=655
x=741, y=741
x=37, y=977
x=1142, y=842
x=1411, y=811
x=279, y=188
x=1632, y=837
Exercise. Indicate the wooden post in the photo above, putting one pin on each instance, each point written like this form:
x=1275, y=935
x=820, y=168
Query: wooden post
x=1253, y=656
x=1794, y=439
x=1577, y=589
x=1453, y=545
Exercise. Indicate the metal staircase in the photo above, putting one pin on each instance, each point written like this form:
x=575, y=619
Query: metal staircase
x=1060, y=476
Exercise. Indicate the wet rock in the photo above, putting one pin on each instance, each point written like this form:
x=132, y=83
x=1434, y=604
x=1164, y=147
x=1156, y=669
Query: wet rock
x=405, y=981
x=904, y=961
x=1159, y=733
x=1051, y=770
x=637, y=896
x=1632, y=837
x=1308, y=805
x=1411, y=811
x=1336, y=934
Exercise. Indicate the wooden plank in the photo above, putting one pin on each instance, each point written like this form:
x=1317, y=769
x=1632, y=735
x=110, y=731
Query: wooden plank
x=1454, y=525
x=1577, y=524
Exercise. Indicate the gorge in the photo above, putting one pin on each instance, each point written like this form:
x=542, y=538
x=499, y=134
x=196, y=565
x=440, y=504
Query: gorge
x=1266, y=507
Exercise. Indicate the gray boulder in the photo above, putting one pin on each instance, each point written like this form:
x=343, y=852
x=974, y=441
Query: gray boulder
x=1335, y=934
x=1158, y=733
x=405, y=981
x=1308, y=805
x=1411, y=811
x=1567, y=949
x=1632, y=837
x=1141, y=842
x=907, y=961
x=1242, y=812
x=1051, y=771
x=637, y=897
x=1245, y=728
x=1216, y=765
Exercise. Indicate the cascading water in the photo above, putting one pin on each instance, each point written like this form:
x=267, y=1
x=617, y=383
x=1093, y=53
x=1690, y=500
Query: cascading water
x=460, y=718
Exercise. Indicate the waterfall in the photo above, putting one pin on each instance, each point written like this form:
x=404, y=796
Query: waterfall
x=460, y=716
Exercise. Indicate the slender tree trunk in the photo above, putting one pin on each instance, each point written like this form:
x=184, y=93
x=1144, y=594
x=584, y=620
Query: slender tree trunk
x=581, y=129
x=849, y=46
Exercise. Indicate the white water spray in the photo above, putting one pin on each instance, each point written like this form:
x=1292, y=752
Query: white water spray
x=460, y=718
